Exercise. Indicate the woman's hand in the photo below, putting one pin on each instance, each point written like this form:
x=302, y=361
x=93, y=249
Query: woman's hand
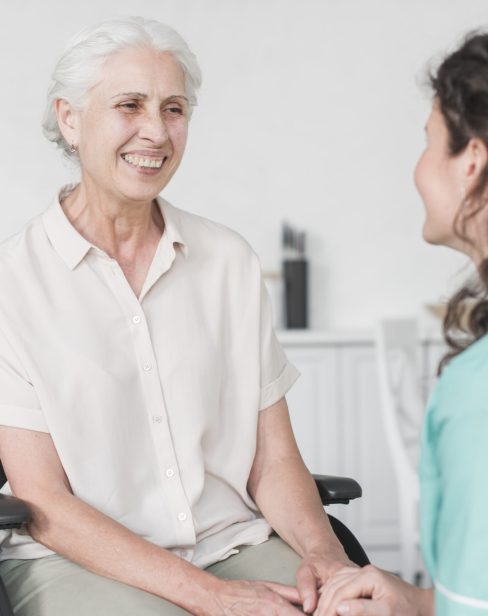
x=315, y=570
x=245, y=598
x=370, y=591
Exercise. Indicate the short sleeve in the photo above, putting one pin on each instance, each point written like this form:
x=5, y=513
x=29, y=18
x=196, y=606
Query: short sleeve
x=19, y=405
x=461, y=534
x=277, y=373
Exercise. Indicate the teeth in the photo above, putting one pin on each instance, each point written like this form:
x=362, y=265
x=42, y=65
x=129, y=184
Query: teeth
x=138, y=161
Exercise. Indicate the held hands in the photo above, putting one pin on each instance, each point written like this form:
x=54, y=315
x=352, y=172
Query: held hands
x=371, y=591
x=316, y=568
x=253, y=598
x=328, y=584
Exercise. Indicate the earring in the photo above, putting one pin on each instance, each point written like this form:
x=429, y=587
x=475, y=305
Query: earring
x=72, y=148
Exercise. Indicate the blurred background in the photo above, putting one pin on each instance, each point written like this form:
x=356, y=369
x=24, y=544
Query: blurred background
x=313, y=112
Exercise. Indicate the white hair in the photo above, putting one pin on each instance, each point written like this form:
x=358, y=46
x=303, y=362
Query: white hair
x=79, y=68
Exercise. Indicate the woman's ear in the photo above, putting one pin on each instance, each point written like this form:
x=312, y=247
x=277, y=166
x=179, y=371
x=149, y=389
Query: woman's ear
x=68, y=121
x=475, y=160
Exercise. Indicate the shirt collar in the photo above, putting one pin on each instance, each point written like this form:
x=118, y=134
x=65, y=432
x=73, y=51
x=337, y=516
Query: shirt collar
x=172, y=225
x=67, y=242
x=72, y=247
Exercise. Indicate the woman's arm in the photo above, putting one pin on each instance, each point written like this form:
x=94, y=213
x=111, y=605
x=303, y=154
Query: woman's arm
x=70, y=527
x=285, y=492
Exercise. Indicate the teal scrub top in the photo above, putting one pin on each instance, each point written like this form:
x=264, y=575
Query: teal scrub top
x=454, y=485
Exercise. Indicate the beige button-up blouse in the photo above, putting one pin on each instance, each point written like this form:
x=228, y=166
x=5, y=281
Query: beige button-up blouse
x=152, y=402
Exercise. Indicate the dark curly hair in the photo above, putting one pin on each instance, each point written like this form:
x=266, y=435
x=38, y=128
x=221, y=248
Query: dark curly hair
x=460, y=87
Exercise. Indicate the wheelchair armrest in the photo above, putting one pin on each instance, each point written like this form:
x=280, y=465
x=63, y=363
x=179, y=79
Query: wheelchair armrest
x=337, y=489
x=13, y=512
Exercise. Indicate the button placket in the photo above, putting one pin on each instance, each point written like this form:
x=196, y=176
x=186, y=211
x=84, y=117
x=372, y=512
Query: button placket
x=156, y=408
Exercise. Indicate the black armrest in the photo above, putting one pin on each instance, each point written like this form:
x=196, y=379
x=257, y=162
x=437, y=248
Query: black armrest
x=337, y=489
x=13, y=512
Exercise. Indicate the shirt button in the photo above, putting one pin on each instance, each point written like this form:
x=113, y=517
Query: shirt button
x=147, y=367
x=169, y=472
x=182, y=517
x=136, y=319
x=183, y=553
x=157, y=419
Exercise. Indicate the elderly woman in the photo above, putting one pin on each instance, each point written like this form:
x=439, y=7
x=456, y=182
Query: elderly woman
x=141, y=384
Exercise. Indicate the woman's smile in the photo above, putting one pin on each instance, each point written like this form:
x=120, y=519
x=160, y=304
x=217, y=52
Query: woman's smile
x=146, y=165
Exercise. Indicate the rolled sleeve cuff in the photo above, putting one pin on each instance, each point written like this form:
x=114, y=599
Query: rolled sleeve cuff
x=22, y=417
x=274, y=391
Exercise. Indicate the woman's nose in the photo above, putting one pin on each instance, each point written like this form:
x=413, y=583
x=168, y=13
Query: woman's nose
x=153, y=127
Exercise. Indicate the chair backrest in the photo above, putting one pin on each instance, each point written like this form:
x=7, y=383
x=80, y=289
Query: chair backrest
x=398, y=360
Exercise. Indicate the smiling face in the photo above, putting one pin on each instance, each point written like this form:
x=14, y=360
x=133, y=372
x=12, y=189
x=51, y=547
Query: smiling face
x=132, y=131
x=446, y=183
x=438, y=177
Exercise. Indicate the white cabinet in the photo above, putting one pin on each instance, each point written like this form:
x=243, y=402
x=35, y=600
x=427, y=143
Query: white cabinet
x=334, y=409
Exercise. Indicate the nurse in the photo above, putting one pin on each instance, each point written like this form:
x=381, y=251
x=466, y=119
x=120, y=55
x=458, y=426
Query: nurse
x=452, y=179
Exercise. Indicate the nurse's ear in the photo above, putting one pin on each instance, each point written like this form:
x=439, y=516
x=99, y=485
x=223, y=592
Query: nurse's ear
x=475, y=161
x=68, y=121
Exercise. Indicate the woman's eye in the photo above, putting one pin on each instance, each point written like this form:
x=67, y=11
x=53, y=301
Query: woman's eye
x=130, y=106
x=175, y=110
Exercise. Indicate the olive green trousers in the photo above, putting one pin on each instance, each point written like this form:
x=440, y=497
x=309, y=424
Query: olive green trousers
x=54, y=586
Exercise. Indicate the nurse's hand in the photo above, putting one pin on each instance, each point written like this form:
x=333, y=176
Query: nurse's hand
x=370, y=591
x=245, y=598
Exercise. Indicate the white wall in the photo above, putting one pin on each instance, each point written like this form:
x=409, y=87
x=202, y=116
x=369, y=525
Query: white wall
x=310, y=111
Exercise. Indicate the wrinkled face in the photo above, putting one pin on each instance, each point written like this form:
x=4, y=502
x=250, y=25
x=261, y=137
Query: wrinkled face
x=439, y=180
x=132, y=131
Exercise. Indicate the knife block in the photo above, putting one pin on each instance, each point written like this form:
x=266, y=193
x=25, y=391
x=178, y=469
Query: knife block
x=295, y=273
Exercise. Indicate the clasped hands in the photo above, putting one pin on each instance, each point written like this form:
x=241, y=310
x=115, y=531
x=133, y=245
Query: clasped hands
x=243, y=598
x=327, y=586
